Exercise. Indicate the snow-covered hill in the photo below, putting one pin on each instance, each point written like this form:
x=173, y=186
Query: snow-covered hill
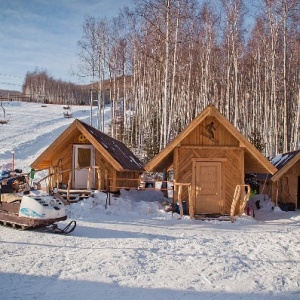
x=134, y=249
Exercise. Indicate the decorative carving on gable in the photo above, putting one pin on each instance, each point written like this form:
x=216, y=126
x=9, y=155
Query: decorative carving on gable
x=82, y=138
x=209, y=132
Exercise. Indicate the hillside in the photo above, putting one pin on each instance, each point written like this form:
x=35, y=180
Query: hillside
x=4, y=94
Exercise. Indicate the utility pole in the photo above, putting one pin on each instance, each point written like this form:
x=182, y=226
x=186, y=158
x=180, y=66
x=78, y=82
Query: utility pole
x=91, y=112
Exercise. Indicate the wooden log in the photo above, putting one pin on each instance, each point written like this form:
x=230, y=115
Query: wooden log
x=106, y=184
x=74, y=191
x=236, y=196
x=179, y=196
x=180, y=200
x=237, y=200
x=245, y=200
x=191, y=204
x=69, y=185
x=99, y=179
x=89, y=179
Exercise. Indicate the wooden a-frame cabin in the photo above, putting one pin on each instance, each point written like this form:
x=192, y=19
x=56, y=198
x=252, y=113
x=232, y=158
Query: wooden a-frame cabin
x=210, y=157
x=83, y=157
x=284, y=185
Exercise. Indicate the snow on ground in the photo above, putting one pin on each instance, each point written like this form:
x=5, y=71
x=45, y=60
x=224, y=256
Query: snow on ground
x=133, y=249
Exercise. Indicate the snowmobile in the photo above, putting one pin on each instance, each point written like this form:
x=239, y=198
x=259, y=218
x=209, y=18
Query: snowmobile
x=28, y=208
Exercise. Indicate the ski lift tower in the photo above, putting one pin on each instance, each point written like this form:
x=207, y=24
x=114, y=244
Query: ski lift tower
x=3, y=120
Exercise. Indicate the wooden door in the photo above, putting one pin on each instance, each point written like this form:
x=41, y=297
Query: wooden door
x=83, y=158
x=207, y=180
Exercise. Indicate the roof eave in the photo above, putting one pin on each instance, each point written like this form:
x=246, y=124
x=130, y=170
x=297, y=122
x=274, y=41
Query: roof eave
x=285, y=168
x=52, y=146
x=245, y=143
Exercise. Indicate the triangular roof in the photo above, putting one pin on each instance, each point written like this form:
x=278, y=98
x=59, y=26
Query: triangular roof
x=164, y=158
x=283, y=162
x=114, y=151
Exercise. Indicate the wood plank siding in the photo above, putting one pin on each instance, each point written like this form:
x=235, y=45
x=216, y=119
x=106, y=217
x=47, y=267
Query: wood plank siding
x=285, y=189
x=283, y=186
x=232, y=168
x=111, y=158
x=212, y=156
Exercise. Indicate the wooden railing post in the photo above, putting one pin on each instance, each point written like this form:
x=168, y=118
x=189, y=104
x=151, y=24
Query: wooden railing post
x=179, y=197
x=180, y=200
x=69, y=185
x=191, y=204
x=237, y=200
x=99, y=178
x=106, y=183
x=51, y=179
x=89, y=179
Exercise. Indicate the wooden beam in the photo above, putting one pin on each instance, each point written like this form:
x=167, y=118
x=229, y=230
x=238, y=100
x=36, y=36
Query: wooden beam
x=210, y=147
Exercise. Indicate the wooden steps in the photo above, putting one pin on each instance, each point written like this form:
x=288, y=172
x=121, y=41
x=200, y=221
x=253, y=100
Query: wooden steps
x=74, y=195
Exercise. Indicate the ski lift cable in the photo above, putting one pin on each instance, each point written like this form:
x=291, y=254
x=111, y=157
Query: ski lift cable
x=9, y=75
x=9, y=83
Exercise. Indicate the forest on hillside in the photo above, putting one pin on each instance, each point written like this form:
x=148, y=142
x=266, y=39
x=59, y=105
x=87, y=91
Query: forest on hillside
x=39, y=86
x=166, y=60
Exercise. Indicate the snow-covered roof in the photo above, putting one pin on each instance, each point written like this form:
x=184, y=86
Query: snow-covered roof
x=280, y=160
x=283, y=162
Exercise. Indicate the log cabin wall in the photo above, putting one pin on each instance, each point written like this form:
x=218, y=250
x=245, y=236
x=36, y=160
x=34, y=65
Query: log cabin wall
x=62, y=157
x=66, y=162
x=128, y=179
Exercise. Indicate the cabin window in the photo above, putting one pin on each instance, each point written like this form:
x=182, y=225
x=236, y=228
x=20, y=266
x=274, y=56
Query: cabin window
x=84, y=157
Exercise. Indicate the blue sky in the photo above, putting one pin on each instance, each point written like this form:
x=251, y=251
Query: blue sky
x=44, y=34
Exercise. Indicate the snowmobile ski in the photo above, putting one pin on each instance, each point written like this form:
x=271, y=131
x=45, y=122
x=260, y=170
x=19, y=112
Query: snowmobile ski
x=68, y=229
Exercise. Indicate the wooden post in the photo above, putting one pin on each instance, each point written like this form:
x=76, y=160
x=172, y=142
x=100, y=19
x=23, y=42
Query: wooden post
x=99, y=178
x=236, y=197
x=50, y=179
x=108, y=189
x=180, y=200
x=106, y=183
x=277, y=192
x=58, y=176
x=245, y=199
x=174, y=194
x=191, y=205
x=237, y=200
x=69, y=185
x=89, y=183
x=164, y=184
x=179, y=197
x=60, y=169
